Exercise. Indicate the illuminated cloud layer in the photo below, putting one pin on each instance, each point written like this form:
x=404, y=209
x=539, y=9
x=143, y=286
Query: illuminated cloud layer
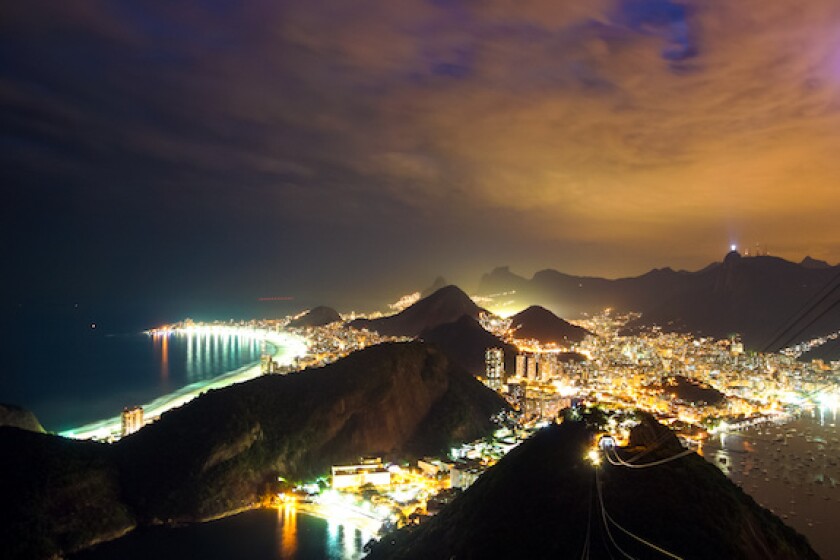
x=603, y=137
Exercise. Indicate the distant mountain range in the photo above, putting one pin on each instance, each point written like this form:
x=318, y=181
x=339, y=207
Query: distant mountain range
x=446, y=305
x=751, y=296
x=221, y=451
x=448, y=319
x=543, y=500
x=440, y=282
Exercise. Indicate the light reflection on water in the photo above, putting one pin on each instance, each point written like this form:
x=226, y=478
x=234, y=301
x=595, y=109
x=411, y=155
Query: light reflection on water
x=287, y=520
x=793, y=469
x=285, y=534
x=344, y=541
x=205, y=355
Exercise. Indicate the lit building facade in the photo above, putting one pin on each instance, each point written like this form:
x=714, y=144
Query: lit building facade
x=521, y=365
x=548, y=366
x=532, y=366
x=494, y=359
x=132, y=420
x=369, y=471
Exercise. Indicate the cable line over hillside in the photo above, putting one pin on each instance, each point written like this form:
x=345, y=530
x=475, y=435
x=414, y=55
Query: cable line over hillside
x=607, y=518
x=816, y=319
x=813, y=303
x=650, y=448
x=621, y=462
x=604, y=517
x=584, y=555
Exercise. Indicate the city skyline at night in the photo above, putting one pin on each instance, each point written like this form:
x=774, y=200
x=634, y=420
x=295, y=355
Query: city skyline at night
x=371, y=280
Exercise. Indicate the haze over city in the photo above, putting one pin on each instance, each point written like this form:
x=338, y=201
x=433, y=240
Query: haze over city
x=218, y=149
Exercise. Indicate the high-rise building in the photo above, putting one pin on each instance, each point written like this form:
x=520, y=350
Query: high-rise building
x=132, y=420
x=532, y=367
x=548, y=366
x=268, y=364
x=494, y=359
x=521, y=365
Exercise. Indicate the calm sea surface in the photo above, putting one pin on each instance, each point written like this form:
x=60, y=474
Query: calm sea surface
x=74, y=366
x=254, y=535
x=793, y=469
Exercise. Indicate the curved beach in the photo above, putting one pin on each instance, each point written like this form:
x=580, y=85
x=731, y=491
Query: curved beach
x=285, y=347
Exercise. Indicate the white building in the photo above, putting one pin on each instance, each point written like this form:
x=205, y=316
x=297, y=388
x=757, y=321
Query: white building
x=132, y=420
x=368, y=472
x=548, y=366
x=532, y=366
x=464, y=473
x=494, y=360
x=433, y=467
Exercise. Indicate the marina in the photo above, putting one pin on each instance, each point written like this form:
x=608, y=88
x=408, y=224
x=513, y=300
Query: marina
x=792, y=469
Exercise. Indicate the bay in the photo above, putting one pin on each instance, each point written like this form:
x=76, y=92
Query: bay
x=265, y=534
x=792, y=469
x=72, y=366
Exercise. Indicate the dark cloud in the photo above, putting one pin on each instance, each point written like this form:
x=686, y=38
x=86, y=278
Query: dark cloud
x=262, y=144
x=669, y=20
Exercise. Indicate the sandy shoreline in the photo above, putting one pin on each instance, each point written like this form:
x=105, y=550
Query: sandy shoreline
x=286, y=348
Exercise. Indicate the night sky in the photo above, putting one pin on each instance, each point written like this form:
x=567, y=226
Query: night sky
x=321, y=149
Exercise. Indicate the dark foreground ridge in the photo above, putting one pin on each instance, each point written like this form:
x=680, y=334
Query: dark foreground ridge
x=542, y=501
x=465, y=342
x=222, y=451
x=17, y=417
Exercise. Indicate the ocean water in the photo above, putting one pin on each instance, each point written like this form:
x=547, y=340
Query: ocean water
x=73, y=365
x=254, y=535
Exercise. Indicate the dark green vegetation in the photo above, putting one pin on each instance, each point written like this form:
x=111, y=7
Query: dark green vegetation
x=224, y=450
x=691, y=391
x=541, y=501
x=446, y=305
x=539, y=323
x=58, y=495
x=466, y=342
x=17, y=417
x=317, y=317
x=752, y=296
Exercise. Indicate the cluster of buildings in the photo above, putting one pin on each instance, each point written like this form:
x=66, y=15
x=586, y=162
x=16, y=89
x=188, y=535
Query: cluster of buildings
x=409, y=493
x=533, y=388
x=529, y=366
x=798, y=349
x=626, y=372
x=638, y=372
x=328, y=343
